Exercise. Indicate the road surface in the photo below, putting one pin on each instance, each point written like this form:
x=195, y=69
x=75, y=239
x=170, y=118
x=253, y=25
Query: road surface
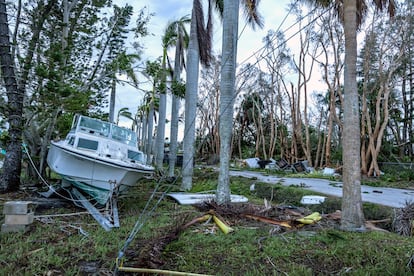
x=385, y=196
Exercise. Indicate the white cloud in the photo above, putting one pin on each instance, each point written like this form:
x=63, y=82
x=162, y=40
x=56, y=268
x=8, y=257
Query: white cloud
x=250, y=42
x=168, y=10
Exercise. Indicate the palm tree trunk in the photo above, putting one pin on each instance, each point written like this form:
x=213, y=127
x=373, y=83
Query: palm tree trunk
x=175, y=109
x=160, y=139
x=150, y=127
x=162, y=110
x=144, y=130
x=352, y=214
x=191, y=91
x=228, y=69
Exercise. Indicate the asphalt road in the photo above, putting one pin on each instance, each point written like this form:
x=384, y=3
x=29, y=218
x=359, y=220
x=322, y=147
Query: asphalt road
x=385, y=196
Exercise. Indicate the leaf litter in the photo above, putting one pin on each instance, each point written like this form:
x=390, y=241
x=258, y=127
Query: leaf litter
x=282, y=218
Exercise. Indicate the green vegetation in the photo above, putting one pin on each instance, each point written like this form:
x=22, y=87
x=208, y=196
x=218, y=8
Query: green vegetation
x=77, y=245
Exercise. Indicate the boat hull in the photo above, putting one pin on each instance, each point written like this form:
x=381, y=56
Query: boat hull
x=97, y=176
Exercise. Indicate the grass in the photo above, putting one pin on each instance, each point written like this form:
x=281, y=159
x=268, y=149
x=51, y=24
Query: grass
x=77, y=245
x=323, y=252
x=393, y=177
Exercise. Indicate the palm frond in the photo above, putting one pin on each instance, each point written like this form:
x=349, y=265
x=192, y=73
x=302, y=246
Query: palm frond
x=203, y=34
x=253, y=17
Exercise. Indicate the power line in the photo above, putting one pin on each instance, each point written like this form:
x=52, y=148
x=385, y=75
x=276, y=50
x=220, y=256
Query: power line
x=263, y=47
x=261, y=57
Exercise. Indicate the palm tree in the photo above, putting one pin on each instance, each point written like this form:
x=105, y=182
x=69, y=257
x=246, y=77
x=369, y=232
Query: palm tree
x=199, y=50
x=181, y=45
x=123, y=63
x=228, y=75
x=124, y=112
x=153, y=72
x=352, y=13
x=167, y=42
x=151, y=104
x=170, y=38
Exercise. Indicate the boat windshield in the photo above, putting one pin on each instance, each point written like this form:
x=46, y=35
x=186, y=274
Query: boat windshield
x=93, y=125
x=137, y=156
x=106, y=129
x=124, y=135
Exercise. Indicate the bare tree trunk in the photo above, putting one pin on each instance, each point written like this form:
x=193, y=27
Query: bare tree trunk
x=321, y=162
x=365, y=153
x=295, y=126
x=10, y=178
x=46, y=139
x=405, y=132
x=375, y=127
x=260, y=138
x=257, y=140
x=282, y=135
x=329, y=128
x=331, y=41
x=320, y=140
x=272, y=119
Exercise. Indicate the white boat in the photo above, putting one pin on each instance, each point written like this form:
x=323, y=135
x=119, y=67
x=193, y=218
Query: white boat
x=99, y=158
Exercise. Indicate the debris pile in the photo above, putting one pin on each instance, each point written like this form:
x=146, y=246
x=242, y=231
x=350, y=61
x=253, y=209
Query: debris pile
x=403, y=222
x=215, y=218
x=288, y=217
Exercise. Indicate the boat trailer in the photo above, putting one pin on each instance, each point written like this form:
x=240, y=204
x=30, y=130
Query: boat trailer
x=108, y=218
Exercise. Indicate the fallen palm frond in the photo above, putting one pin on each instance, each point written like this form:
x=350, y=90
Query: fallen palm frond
x=150, y=254
x=157, y=271
x=371, y=226
x=311, y=219
x=226, y=210
x=335, y=215
x=151, y=251
x=223, y=227
x=269, y=220
x=210, y=215
x=197, y=220
x=403, y=220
